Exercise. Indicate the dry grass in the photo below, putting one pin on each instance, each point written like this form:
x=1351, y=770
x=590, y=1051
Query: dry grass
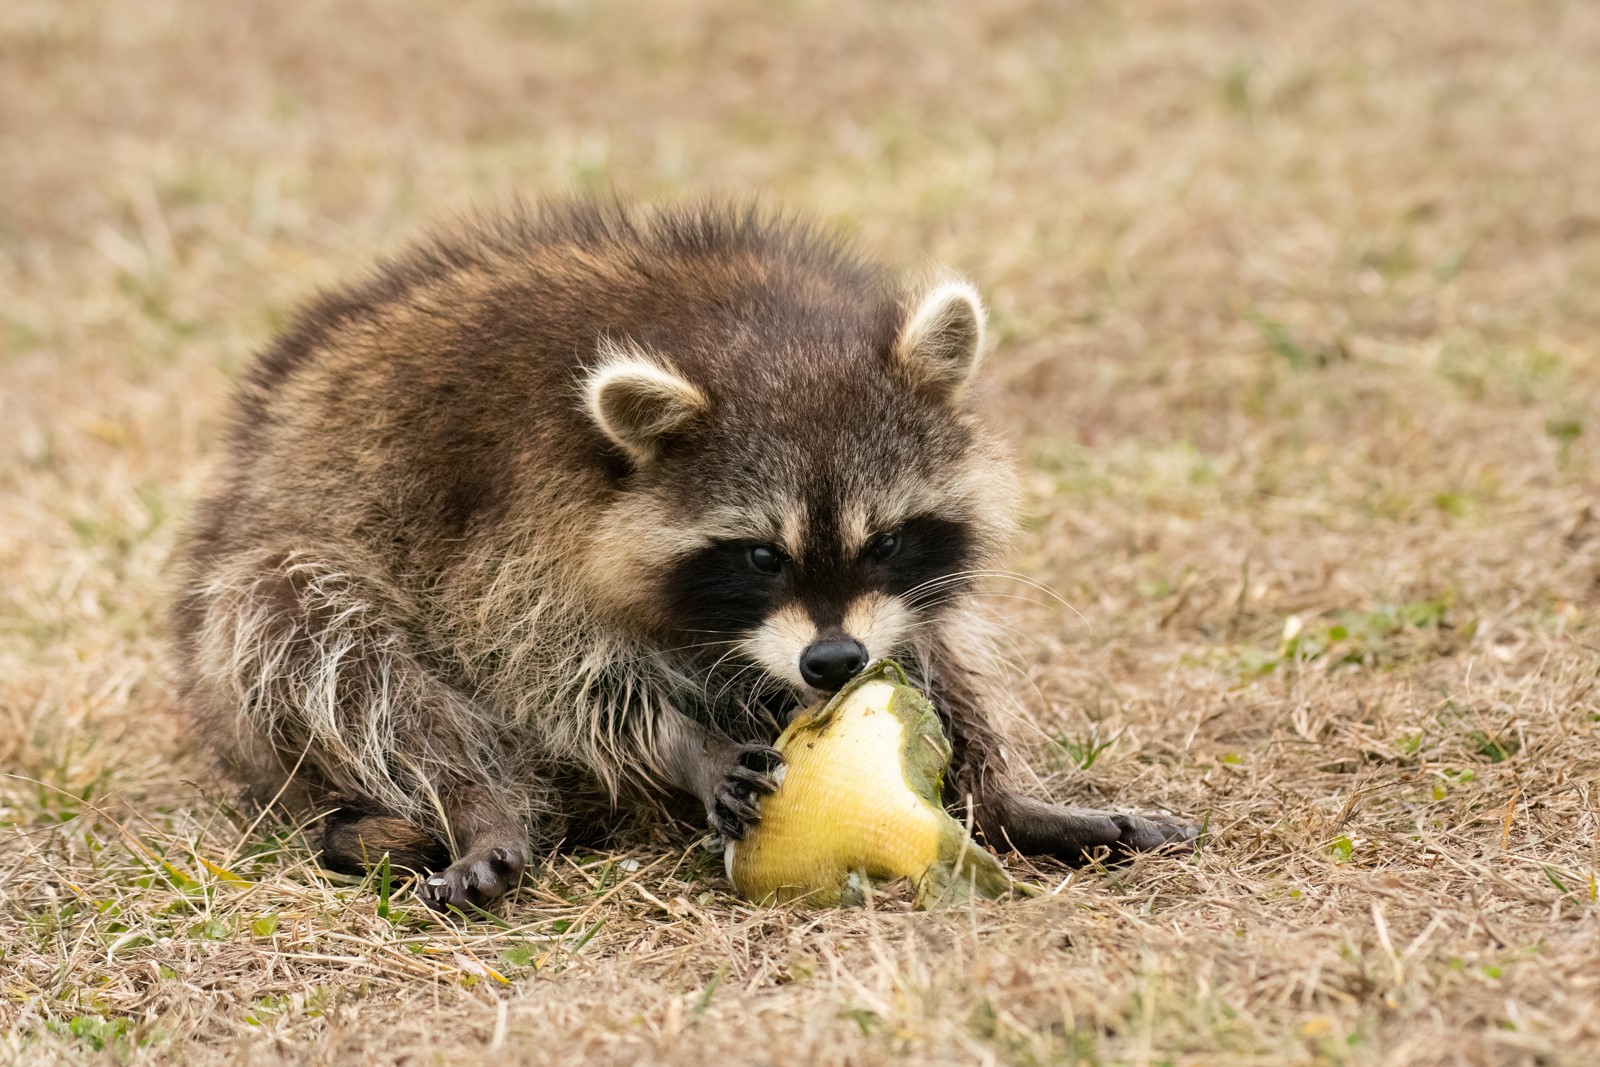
x=1298, y=308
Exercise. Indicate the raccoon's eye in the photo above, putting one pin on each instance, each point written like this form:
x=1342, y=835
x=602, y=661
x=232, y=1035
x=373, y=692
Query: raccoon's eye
x=766, y=559
x=883, y=546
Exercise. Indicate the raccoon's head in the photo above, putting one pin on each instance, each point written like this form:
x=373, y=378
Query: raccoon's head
x=806, y=489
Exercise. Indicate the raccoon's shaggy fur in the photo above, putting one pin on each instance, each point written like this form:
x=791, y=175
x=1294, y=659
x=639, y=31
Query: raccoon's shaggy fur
x=473, y=566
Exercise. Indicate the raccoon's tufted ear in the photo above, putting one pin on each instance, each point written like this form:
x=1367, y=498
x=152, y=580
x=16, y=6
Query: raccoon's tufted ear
x=942, y=339
x=639, y=402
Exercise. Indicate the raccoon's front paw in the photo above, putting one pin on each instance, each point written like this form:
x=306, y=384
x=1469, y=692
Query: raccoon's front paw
x=477, y=879
x=734, y=805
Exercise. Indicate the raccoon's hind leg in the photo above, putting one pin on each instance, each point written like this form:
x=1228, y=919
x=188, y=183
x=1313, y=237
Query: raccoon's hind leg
x=354, y=840
x=494, y=853
x=490, y=866
x=303, y=674
x=979, y=780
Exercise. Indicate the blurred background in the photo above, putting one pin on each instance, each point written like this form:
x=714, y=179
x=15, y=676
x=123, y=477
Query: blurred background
x=1296, y=308
x=1308, y=293
x=1193, y=220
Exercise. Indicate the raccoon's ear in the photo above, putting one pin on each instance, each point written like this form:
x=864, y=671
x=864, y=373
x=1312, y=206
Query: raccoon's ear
x=942, y=339
x=640, y=402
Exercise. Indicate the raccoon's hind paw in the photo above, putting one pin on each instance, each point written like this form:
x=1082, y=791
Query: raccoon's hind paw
x=1144, y=833
x=475, y=880
x=752, y=771
x=1078, y=835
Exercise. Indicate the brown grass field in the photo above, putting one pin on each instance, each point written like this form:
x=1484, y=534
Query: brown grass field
x=1297, y=307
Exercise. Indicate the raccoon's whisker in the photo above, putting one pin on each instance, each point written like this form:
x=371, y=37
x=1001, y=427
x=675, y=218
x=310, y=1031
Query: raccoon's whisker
x=734, y=648
x=691, y=647
x=933, y=602
x=941, y=601
x=754, y=677
x=968, y=575
x=950, y=594
x=716, y=664
x=939, y=582
x=726, y=685
x=1034, y=583
x=922, y=624
x=983, y=572
x=949, y=585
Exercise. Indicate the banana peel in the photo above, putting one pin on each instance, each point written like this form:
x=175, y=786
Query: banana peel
x=859, y=803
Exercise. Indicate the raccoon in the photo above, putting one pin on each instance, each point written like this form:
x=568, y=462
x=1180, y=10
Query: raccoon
x=562, y=510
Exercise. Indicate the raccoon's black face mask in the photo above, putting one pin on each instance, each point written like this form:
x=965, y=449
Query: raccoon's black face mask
x=817, y=506
x=815, y=614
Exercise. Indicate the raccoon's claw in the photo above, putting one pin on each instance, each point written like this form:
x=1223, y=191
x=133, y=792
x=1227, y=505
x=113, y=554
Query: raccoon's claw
x=475, y=880
x=735, y=804
x=1143, y=833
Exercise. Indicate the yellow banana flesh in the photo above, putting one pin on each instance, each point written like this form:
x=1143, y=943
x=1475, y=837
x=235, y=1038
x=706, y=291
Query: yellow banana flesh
x=859, y=802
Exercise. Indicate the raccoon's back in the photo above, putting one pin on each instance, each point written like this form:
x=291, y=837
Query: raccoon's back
x=419, y=407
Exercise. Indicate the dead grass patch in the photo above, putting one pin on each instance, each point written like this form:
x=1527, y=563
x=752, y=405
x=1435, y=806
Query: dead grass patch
x=1297, y=309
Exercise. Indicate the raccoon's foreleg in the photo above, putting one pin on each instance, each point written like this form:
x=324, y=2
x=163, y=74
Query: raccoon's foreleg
x=728, y=777
x=312, y=672
x=980, y=781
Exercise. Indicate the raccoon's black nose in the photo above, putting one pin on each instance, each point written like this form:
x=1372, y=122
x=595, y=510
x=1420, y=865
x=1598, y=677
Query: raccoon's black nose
x=829, y=664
